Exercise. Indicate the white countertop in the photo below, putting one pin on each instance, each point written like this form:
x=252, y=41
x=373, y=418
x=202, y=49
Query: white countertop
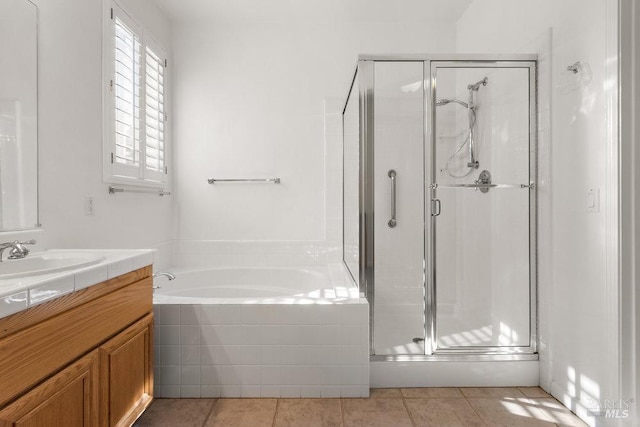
x=17, y=294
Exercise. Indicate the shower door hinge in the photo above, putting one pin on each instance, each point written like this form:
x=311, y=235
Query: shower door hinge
x=166, y=170
x=111, y=157
x=111, y=13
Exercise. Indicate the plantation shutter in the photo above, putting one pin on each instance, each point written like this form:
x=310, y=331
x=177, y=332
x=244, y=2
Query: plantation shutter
x=137, y=112
x=127, y=98
x=154, y=115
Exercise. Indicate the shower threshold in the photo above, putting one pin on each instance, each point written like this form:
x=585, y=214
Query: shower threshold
x=451, y=357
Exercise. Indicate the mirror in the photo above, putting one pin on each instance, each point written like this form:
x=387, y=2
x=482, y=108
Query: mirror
x=18, y=115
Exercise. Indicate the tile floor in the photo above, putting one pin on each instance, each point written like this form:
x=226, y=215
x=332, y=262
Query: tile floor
x=437, y=407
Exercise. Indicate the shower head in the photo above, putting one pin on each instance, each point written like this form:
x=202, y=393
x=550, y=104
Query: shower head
x=476, y=85
x=442, y=102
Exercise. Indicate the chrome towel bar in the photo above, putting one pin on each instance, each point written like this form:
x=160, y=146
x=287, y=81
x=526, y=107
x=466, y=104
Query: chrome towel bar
x=268, y=180
x=480, y=186
x=114, y=190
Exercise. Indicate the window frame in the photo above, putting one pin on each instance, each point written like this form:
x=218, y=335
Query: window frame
x=118, y=173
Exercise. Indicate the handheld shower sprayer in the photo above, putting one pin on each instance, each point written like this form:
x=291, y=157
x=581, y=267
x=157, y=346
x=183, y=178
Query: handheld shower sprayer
x=473, y=162
x=471, y=108
x=442, y=102
x=477, y=84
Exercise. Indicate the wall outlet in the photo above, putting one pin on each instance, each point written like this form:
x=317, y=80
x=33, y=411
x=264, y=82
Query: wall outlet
x=89, y=205
x=593, y=200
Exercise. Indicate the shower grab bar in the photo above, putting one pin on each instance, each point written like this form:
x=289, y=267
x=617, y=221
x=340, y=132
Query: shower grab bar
x=392, y=222
x=435, y=186
x=269, y=180
x=114, y=190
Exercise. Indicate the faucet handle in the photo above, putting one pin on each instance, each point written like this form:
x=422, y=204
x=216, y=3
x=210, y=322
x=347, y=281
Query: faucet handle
x=19, y=250
x=26, y=242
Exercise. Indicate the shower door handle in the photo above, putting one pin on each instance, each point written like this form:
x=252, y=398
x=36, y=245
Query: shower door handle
x=435, y=203
x=392, y=222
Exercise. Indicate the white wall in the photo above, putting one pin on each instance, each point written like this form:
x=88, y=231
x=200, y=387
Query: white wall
x=261, y=99
x=70, y=136
x=578, y=365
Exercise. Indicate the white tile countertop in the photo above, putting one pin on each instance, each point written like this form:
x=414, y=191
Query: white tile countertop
x=20, y=293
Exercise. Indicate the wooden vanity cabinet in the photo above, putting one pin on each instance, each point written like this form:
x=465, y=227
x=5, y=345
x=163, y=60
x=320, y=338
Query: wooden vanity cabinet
x=84, y=359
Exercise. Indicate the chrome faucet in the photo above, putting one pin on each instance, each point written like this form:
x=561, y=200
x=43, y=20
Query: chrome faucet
x=18, y=250
x=166, y=274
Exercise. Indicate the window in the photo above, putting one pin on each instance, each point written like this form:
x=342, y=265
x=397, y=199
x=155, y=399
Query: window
x=135, y=113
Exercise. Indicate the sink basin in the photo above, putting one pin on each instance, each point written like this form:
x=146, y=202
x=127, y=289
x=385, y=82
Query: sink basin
x=45, y=263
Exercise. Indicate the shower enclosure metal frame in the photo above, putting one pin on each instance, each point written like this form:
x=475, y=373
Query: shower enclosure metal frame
x=363, y=82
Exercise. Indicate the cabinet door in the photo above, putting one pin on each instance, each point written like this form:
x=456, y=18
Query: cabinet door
x=126, y=374
x=69, y=399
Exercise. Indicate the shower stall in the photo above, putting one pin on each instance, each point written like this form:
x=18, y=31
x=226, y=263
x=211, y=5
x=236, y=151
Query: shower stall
x=440, y=205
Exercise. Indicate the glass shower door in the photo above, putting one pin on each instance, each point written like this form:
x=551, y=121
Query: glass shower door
x=483, y=207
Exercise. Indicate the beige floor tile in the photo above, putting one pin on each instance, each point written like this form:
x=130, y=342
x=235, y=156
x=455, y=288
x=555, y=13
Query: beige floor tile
x=432, y=392
x=384, y=392
x=533, y=392
x=509, y=412
x=243, y=413
x=309, y=413
x=176, y=413
x=443, y=412
x=375, y=413
x=556, y=412
x=498, y=392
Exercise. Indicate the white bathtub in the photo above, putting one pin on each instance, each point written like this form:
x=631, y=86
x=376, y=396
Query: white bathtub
x=260, y=285
x=261, y=332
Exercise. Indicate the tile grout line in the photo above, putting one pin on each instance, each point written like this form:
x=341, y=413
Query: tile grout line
x=532, y=401
x=406, y=408
x=341, y=412
x=466, y=399
x=275, y=413
x=206, y=419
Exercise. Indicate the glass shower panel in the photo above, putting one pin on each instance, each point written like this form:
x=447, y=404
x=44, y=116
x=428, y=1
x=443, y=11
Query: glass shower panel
x=482, y=207
x=398, y=103
x=351, y=182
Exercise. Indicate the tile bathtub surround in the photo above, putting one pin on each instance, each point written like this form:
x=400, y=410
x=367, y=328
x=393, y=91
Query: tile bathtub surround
x=262, y=350
x=429, y=407
x=208, y=253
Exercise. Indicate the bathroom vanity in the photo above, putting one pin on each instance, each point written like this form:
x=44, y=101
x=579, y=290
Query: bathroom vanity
x=83, y=357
